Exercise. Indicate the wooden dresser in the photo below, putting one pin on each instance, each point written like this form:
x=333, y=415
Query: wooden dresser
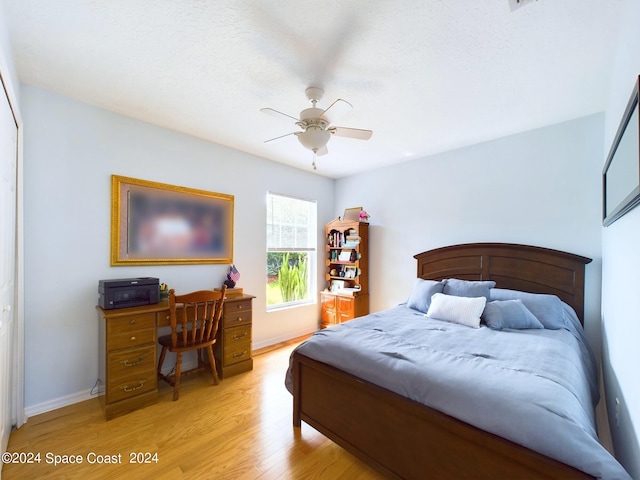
x=128, y=351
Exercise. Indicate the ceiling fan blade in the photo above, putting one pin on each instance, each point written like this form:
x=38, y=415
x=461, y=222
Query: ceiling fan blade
x=277, y=114
x=322, y=151
x=281, y=136
x=336, y=110
x=358, y=133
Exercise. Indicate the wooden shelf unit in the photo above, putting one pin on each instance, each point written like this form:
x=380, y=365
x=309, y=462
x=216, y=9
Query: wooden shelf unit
x=347, y=263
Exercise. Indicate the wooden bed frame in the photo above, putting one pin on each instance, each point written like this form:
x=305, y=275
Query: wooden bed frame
x=405, y=439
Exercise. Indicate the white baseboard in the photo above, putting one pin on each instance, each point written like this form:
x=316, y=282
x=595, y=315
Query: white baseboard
x=86, y=394
x=283, y=338
x=58, y=403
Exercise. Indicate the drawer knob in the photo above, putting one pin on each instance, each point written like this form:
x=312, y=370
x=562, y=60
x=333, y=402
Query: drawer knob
x=133, y=321
x=240, y=355
x=127, y=388
x=239, y=319
x=133, y=339
x=126, y=362
x=239, y=337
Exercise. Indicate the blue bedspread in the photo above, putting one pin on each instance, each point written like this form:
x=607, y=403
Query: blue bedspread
x=537, y=388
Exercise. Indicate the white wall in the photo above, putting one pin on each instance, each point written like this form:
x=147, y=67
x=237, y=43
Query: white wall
x=539, y=188
x=71, y=150
x=621, y=263
x=6, y=58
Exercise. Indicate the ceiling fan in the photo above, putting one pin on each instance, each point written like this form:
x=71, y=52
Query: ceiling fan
x=316, y=125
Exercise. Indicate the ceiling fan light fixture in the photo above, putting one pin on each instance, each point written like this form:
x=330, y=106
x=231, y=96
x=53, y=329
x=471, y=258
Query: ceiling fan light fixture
x=316, y=124
x=314, y=138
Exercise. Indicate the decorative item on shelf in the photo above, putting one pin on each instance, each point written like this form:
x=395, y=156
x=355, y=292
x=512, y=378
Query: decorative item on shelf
x=355, y=214
x=232, y=279
x=350, y=272
x=352, y=214
x=345, y=256
x=337, y=285
x=164, y=292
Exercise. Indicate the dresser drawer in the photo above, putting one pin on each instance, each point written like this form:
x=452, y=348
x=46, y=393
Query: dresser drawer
x=132, y=386
x=233, y=310
x=139, y=321
x=133, y=361
x=237, y=317
x=236, y=335
x=237, y=353
x=132, y=338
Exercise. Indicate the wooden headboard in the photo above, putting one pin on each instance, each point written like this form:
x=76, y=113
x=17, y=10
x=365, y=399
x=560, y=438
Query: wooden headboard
x=517, y=267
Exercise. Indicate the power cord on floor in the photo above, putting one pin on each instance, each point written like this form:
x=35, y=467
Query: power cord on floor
x=95, y=390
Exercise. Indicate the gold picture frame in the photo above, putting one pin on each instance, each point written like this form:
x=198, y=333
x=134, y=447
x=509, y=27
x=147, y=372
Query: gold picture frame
x=155, y=223
x=352, y=214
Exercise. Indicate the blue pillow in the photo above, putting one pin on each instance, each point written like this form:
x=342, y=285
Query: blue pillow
x=501, y=314
x=468, y=288
x=546, y=308
x=423, y=290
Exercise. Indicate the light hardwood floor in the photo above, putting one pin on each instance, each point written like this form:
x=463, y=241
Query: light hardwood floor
x=239, y=430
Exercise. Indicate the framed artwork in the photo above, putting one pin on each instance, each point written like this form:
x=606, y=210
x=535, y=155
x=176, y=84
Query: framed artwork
x=352, y=214
x=158, y=224
x=621, y=174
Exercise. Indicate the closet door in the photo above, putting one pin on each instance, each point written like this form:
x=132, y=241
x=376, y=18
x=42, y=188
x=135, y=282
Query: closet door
x=8, y=182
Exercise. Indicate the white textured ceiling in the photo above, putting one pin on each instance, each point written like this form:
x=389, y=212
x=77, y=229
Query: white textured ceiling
x=425, y=75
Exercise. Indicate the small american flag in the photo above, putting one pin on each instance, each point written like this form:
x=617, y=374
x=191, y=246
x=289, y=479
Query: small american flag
x=234, y=274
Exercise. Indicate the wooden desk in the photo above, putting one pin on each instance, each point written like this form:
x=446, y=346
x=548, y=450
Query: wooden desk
x=128, y=355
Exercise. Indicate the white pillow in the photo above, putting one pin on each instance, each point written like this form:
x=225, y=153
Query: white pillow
x=462, y=310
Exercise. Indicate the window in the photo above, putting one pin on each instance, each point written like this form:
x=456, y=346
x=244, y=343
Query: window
x=291, y=250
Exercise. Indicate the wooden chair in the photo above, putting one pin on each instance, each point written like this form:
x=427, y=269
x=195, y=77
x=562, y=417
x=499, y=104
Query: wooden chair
x=194, y=324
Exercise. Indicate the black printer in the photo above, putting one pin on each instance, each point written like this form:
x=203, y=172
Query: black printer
x=128, y=292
